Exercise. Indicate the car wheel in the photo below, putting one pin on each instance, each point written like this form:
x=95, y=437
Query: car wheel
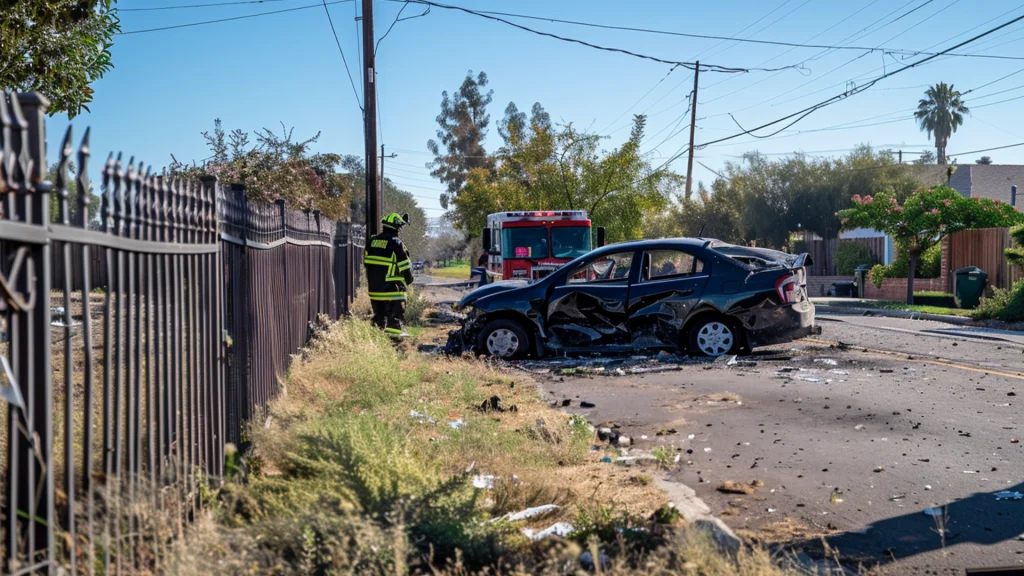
x=504, y=339
x=711, y=336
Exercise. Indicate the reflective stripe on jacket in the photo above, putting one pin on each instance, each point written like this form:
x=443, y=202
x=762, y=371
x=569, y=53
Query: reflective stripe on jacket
x=388, y=269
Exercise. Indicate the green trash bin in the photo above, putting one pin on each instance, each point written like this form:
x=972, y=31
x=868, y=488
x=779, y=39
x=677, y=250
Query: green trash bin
x=969, y=285
x=860, y=279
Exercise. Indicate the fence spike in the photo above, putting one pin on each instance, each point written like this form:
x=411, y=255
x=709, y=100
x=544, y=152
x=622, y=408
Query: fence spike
x=118, y=185
x=6, y=152
x=160, y=206
x=64, y=211
x=131, y=197
x=108, y=194
x=23, y=163
x=84, y=186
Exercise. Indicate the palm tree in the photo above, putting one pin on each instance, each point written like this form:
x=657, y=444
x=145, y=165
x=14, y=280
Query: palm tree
x=940, y=113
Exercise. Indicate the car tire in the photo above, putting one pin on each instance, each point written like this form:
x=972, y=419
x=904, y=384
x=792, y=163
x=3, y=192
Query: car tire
x=712, y=336
x=505, y=339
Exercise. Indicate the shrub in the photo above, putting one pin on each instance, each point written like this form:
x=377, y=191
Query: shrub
x=929, y=265
x=1004, y=304
x=877, y=274
x=415, y=306
x=850, y=255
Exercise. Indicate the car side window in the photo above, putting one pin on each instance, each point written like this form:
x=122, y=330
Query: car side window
x=610, y=267
x=670, y=263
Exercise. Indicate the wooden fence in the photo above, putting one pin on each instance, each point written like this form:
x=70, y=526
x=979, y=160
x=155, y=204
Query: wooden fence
x=982, y=248
x=823, y=253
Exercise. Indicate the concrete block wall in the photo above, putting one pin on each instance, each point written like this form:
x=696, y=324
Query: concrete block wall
x=896, y=288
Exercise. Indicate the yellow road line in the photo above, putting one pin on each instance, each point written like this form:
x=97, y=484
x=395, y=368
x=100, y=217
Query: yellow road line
x=912, y=358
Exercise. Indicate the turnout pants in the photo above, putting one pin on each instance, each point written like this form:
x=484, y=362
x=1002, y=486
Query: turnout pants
x=389, y=315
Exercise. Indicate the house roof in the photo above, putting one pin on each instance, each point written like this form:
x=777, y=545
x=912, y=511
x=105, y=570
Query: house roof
x=988, y=180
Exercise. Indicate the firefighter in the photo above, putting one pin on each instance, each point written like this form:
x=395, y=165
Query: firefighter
x=388, y=272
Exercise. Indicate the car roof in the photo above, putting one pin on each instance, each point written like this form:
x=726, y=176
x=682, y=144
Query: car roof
x=656, y=243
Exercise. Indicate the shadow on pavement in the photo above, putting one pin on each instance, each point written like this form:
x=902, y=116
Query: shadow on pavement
x=980, y=519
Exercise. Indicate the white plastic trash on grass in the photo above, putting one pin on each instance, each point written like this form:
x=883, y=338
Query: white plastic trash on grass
x=528, y=513
x=562, y=529
x=422, y=417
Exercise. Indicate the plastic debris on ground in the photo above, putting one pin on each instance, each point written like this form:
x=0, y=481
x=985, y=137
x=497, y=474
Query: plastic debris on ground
x=422, y=417
x=826, y=361
x=604, y=365
x=457, y=424
x=933, y=512
x=528, y=513
x=484, y=482
x=562, y=529
x=1008, y=495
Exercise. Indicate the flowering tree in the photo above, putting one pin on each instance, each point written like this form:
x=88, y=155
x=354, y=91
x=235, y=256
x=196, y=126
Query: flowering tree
x=925, y=218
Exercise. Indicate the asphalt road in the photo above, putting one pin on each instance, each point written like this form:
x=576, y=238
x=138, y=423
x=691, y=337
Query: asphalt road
x=850, y=445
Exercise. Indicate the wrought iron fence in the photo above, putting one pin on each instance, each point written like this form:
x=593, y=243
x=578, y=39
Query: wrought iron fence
x=122, y=392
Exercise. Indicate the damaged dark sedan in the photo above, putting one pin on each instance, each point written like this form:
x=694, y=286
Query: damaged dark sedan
x=701, y=296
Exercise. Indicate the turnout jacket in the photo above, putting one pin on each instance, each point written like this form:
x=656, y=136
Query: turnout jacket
x=388, y=269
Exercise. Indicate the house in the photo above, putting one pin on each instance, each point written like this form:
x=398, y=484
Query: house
x=992, y=181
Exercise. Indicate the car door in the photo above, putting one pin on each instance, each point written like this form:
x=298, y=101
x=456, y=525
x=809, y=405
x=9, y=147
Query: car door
x=588, y=308
x=669, y=284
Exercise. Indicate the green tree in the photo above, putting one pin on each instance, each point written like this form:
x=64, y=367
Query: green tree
x=394, y=199
x=925, y=218
x=984, y=160
x=58, y=48
x=566, y=169
x=277, y=166
x=1015, y=255
x=926, y=157
x=462, y=128
x=940, y=113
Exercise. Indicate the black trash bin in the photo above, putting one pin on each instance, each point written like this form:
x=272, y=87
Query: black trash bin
x=860, y=279
x=969, y=285
x=842, y=289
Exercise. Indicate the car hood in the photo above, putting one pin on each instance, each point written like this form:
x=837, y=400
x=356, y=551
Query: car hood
x=489, y=290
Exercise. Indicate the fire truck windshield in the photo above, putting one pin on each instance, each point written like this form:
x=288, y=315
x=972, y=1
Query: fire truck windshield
x=570, y=241
x=526, y=242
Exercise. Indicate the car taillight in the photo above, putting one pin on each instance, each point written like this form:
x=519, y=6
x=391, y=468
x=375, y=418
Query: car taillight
x=788, y=288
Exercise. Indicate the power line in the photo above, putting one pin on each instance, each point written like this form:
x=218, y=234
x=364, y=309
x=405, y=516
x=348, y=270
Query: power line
x=343, y=59
x=687, y=65
x=219, y=20
x=987, y=149
x=398, y=18
x=211, y=5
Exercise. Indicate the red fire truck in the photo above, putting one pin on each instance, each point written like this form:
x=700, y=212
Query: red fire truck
x=530, y=245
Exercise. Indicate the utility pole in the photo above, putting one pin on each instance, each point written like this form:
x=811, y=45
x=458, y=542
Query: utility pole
x=382, y=157
x=693, y=129
x=370, y=122
x=901, y=156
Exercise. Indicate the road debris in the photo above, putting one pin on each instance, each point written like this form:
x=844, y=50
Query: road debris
x=1008, y=495
x=733, y=487
x=562, y=529
x=494, y=404
x=826, y=361
x=528, y=513
x=585, y=404
x=484, y=482
x=933, y=512
x=422, y=418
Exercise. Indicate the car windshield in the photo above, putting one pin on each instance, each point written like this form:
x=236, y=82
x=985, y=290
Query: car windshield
x=570, y=241
x=526, y=242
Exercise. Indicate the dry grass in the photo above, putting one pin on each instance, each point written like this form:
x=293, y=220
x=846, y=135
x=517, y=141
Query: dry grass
x=344, y=481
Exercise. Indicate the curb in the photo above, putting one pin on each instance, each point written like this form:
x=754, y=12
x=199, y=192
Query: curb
x=848, y=311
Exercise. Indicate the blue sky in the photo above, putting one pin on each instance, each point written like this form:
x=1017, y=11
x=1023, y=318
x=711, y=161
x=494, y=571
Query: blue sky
x=168, y=86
